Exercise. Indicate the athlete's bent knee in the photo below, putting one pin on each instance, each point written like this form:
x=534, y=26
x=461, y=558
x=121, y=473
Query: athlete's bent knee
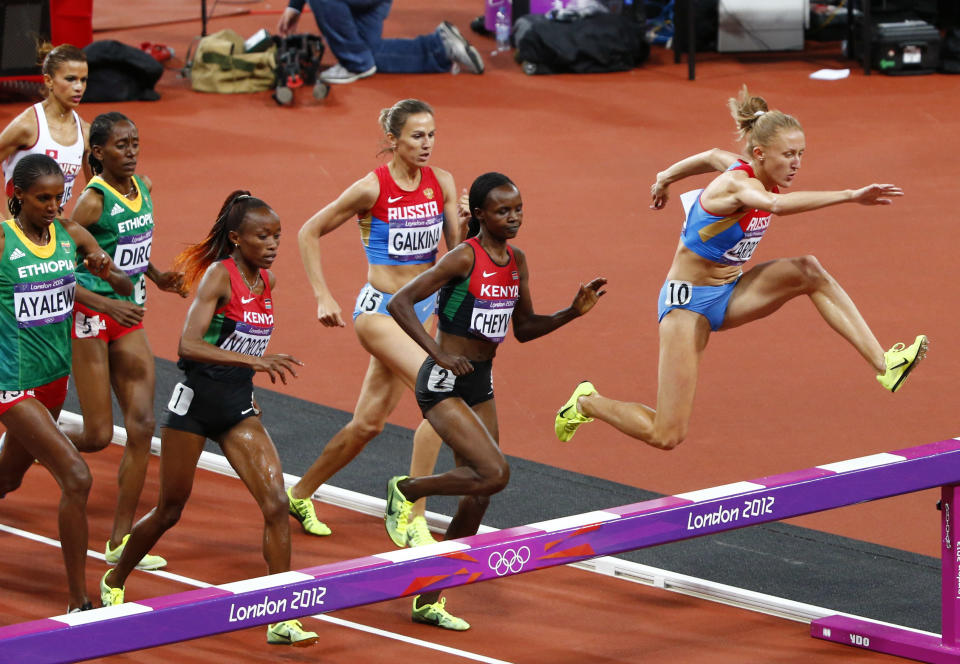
x=669, y=440
x=813, y=273
x=96, y=436
x=275, y=507
x=140, y=429
x=168, y=514
x=495, y=480
x=365, y=431
x=76, y=482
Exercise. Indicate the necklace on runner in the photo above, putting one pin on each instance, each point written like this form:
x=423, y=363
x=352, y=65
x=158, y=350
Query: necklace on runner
x=244, y=277
x=41, y=241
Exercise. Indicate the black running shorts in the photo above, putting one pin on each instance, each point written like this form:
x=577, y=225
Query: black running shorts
x=434, y=384
x=208, y=407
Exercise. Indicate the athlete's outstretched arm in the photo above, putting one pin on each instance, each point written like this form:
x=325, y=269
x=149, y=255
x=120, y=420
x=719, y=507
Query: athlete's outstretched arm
x=703, y=162
x=750, y=193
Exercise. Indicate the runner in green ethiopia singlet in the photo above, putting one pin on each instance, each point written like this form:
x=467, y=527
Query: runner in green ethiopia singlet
x=125, y=231
x=36, y=307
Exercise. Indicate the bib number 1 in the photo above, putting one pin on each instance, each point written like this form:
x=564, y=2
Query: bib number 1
x=679, y=293
x=180, y=399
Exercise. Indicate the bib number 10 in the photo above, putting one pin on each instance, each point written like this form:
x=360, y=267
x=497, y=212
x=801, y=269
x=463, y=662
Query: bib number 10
x=679, y=293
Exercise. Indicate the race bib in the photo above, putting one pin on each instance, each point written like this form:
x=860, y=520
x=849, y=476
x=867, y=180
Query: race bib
x=678, y=293
x=369, y=300
x=490, y=319
x=44, y=302
x=181, y=399
x=742, y=250
x=414, y=239
x=10, y=396
x=140, y=289
x=248, y=339
x=441, y=380
x=85, y=326
x=133, y=253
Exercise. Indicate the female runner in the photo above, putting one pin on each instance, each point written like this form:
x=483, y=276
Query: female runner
x=483, y=283
x=109, y=343
x=706, y=289
x=402, y=206
x=52, y=127
x=223, y=343
x=37, y=254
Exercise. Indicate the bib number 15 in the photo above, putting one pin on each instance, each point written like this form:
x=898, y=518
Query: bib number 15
x=369, y=299
x=679, y=293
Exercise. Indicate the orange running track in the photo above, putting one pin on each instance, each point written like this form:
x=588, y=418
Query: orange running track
x=778, y=394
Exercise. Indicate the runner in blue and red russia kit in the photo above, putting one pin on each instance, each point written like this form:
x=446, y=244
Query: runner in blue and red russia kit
x=706, y=289
x=403, y=207
x=726, y=239
x=483, y=286
x=52, y=127
x=223, y=344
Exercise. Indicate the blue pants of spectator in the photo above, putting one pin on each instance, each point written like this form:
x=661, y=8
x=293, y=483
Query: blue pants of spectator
x=353, y=30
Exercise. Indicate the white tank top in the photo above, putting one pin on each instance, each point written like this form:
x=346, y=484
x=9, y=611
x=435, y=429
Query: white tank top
x=69, y=157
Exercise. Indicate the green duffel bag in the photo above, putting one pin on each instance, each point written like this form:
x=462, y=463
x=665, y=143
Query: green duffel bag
x=220, y=65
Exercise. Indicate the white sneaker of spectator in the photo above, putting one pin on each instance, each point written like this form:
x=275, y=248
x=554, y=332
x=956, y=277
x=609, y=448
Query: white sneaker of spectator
x=340, y=74
x=458, y=49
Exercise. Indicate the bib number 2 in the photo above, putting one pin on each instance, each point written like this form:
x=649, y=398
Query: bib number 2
x=679, y=293
x=441, y=380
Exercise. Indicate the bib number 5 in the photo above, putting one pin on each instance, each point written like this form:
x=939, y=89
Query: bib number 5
x=140, y=290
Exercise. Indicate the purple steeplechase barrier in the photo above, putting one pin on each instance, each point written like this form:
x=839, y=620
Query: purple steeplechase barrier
x=232, y=606
x=913, y=644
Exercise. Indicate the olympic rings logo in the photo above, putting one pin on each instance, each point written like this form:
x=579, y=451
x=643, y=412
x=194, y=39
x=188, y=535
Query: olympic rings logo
x=509, y=561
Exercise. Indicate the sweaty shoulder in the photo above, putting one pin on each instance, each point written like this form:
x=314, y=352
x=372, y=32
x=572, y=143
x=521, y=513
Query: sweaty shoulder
x=89, y=207
x=720, y=196
x=459, y=259
x=518, y=256
x=443, y=176
x=22, y=132
x=216, y=281
x=365, y=191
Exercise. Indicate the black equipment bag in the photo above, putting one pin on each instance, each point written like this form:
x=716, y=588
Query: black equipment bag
x=592, y=44
x=118, y=72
